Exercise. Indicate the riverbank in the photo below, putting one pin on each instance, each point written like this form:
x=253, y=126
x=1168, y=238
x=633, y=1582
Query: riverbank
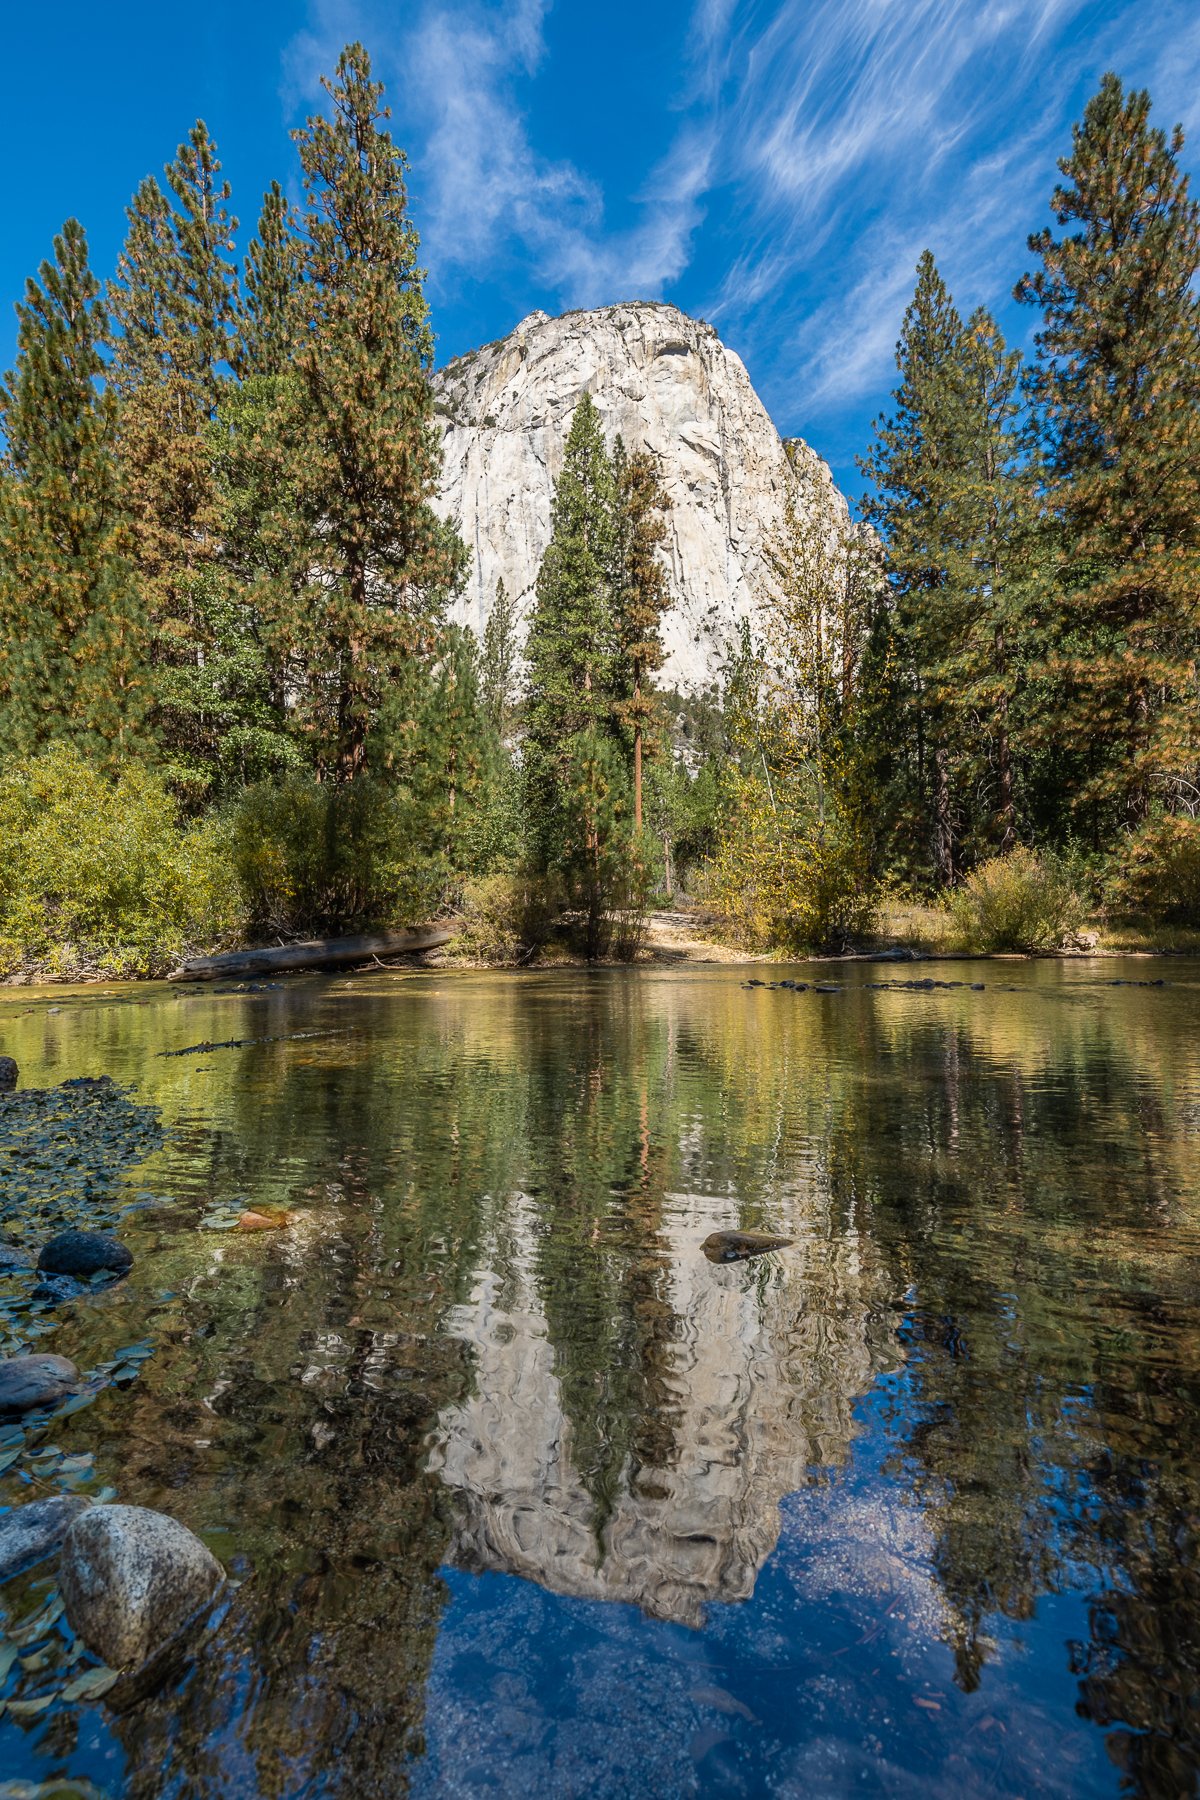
x=682, y=937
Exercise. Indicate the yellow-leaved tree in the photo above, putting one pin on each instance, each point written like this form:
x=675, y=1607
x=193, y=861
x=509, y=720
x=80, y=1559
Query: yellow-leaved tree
x=792, y=869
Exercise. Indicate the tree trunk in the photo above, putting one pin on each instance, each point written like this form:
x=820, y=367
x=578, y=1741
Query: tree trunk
x=943, y=841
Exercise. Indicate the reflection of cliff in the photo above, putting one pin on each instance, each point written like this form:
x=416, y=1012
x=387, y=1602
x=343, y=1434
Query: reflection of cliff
x=756, y=1389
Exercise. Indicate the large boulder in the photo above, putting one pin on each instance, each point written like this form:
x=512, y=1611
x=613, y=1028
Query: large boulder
x=84, y=1253
x=8, y=1074
x=131, y=1579
x=29, y=1533
x=36, y=1380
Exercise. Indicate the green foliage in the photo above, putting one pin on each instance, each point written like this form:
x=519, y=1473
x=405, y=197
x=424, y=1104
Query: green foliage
x=508, y=916
x=99, y=871
x=313, y=856
x=1116, y=393
x=1021, y=901
x=72, y=632
x=1159, y=876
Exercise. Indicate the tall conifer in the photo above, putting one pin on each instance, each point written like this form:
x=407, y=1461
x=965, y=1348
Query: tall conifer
x=641, y=596
x=72, y=637
x=1117, y=391
x=174, y=300
x=373, y=563
x=912, y=450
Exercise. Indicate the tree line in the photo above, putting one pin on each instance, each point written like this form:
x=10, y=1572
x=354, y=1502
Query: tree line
x=225, y=589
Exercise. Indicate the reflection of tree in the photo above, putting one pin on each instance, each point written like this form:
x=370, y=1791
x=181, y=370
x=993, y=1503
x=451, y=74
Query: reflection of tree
x=490, y=1335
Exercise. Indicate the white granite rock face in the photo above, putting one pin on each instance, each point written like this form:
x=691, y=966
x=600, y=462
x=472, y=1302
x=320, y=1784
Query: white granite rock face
x=667, y=384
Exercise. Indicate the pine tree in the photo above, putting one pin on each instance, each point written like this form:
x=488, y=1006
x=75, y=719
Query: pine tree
x=641, y=596
x=72, y=636
x=570, y=649
x=499, y=657
x=372, y=562
x=986, y=495
x=1117, y=393
x=267, y=317
x=913, y=449
x=174, y=300
x=574, y=775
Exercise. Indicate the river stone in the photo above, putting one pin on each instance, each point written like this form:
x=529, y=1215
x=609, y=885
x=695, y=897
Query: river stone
x=734, y=1246
x=29, y=1533
x=131, y=1579
x=29, y=1381
x=8, y=1074
x=13, y=1257
x=84, y=1253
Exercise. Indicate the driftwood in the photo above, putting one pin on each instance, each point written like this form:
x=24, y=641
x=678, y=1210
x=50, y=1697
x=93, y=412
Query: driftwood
x=315, y=953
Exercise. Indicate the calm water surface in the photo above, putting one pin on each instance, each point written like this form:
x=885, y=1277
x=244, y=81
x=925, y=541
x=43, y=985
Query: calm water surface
x=528, y=1497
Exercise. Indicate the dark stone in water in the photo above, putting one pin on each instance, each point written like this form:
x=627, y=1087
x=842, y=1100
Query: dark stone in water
x=735, y=1246
x=54, y=1289
x=84, y=1253
x=29, y=1533
x=12, y=1257
x=8, y=1074
x=40, y=1380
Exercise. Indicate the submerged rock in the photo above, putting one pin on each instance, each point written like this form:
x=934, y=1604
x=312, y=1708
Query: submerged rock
x=39, y=1380
x=735, y=1246
x=13, y=1257
x=29, y=1533
x=84, y=1253
x=8, y=1074
x=263, y=1221
x=131, y=1579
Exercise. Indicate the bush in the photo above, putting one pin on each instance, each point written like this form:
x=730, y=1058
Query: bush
x=1017, y=902
x=508, y=916
x=792, y=882
x=1160, y=879
x=102, y=873
x=311, y=856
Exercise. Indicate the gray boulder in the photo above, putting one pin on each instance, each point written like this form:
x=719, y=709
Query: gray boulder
x=131, y=1579
x=29, y=1533
x=84, y=1253
x=37, y=1380
x=8, y=1074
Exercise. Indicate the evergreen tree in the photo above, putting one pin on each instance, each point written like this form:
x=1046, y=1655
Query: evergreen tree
x=267, y=317
x=1117, y=394
x=499, y=657
x=72, y=636
x=574, y=783
x=912, y=452
x=641, y=597
x=174, y=300
x=372, y=563
x=570, y=649
x=985, y=493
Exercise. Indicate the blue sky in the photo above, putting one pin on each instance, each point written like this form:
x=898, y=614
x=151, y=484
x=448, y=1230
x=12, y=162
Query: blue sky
x=774, y=166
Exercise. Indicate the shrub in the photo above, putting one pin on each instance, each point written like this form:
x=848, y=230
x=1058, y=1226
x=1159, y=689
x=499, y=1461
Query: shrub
x=312, y=856
x=101, y=872
x=1017, y=902
x=1160, y=877
x=790, y=881
x=508, y=916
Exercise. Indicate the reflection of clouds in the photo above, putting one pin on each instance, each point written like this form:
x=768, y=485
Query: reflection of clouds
x=764, y=1362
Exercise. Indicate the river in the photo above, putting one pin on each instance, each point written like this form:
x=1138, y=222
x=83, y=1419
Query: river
x=524, y=1495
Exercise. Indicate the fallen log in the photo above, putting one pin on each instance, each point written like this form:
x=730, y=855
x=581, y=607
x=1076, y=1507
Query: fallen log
x=314, y=953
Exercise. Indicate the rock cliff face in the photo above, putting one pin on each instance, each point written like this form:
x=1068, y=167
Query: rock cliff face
x=667, y=384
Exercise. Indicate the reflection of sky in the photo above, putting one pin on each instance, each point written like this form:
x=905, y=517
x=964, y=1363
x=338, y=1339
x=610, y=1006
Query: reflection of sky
x=834, y=1677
